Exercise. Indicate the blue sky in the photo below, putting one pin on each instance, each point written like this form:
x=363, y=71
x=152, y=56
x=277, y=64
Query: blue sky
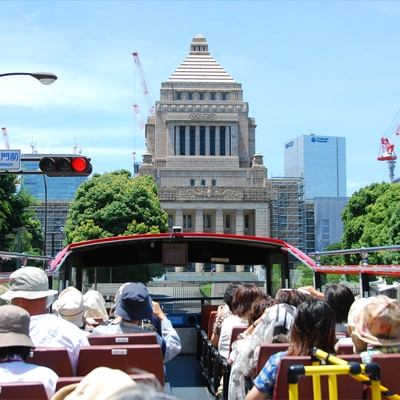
x=330, y=67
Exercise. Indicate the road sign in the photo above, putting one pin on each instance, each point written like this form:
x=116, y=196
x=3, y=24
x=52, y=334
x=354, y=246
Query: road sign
x=10, y=160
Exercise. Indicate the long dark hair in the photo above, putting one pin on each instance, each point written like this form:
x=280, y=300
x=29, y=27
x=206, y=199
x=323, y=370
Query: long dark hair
x=314, y=326
x=244, y=297
x=340, y=298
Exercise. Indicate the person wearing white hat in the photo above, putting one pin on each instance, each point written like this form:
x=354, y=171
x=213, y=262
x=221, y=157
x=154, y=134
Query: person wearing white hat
x=70, y=307
x=15, y=346
x=29, y=289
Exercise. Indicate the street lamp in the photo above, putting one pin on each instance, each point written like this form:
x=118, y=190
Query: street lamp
x=47, y=78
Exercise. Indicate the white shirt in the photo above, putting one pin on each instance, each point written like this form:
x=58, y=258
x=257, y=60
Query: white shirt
x=169, y=335
x=47, y=330
x=226, y=333
x=19, y=371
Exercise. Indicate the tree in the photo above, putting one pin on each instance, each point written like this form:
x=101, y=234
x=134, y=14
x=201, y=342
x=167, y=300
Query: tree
x=114, y=204
x=16, y=211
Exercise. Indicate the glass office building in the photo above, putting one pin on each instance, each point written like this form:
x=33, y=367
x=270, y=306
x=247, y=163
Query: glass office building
x=321, y=160
x=58, y=188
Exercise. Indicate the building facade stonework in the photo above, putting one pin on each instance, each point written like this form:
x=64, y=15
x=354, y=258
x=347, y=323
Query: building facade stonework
x=201, y=151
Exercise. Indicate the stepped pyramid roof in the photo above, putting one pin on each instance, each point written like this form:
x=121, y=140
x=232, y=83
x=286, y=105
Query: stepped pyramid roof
x=200, y=66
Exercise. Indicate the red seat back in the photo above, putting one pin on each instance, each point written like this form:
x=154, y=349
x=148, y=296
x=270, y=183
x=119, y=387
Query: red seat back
x=344, y=348
x=131, y=358
x=55, y=358
x=266, y=351
x=211, y=320
x=348, y=387
x=205, y=315
x=236, y=330
x=22, y=390
x=122, y=339
x=389, y=372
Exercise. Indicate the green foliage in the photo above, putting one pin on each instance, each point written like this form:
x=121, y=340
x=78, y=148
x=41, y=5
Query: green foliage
x=205, y=290
x=308, y=275
x=114, y=204
x=16, y=211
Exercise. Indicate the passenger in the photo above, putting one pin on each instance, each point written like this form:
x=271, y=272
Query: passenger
x=374, y=326
x=151, y=324
x=241, y=305
x=3, y=289
x=134, y=305
x=293, y=297
x=95, y=305
x=69, y=306
x=340, y=298
x=314, y=326
x=29, y=289
x=272, y=327
x=106, y=383
x=224, y=311
x=15, y=346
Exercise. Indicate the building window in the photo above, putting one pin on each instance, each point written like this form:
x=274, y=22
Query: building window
x=192, y=146
x=246, y=221
x=227, y=221
x=202, y=140
x=187, y=221
x=201, y=96
x=213, y=182
x=182, y=140
x=178, y=96
x=224, y=96
x=192, y=182
x=207, y=221
x=190, y=96
x=212, y=96
x=212, y=140
x=170, y=221
x=203, y=182
x=222, y=147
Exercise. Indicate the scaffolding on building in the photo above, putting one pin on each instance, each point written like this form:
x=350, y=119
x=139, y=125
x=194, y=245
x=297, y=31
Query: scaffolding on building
x=289, y=214
x=57, y=211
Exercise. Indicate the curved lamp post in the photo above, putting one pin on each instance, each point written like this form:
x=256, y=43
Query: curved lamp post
x=47, y=78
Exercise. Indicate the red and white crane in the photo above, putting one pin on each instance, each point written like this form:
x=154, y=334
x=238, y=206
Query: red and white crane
x=140, y=120
x=145, y=87
x=6, y=140
x=387, y=153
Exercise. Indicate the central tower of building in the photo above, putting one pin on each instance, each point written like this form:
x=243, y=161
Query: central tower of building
x=201, y=152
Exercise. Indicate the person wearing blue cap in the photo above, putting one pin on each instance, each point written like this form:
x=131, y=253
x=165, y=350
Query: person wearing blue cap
x=135, y=305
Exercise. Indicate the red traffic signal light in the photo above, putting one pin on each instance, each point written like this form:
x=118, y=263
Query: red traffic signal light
x=66, y=166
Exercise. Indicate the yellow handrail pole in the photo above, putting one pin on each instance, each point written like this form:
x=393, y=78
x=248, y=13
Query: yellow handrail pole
x=293, y=391
x=316, y=380
x=376, y=387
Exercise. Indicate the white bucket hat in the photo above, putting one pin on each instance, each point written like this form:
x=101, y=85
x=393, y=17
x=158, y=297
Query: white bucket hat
x=69, y=306
x=28, y=283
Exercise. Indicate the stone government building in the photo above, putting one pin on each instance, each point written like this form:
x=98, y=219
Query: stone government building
x=201, y=151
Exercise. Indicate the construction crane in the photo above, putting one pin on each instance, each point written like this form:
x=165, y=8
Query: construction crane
x=141, y=121
x=143, y=82
x=386, y=152
x=33, y=146
x=75, y=147
x=6, y=140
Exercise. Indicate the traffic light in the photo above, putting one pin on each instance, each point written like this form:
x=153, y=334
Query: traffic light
x=65, y=166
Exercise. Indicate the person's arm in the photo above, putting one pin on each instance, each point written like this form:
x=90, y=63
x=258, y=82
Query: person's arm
x=255, y=394
x=313, y=292
x=169, y=334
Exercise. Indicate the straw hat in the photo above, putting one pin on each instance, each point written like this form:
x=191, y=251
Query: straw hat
x=100, y=384
x=378, y=322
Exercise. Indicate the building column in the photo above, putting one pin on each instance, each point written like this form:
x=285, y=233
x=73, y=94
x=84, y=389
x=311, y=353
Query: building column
x=207, y=140
x=239, y=222
x=227, y=141
x=219, y=221
x=179, y=217
x=217, y=141
x=219, y=267
x=239, y=268
x=262, y=222
x=187, y=140
x=197, y=140
x=199, y=221
x=199, y=267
